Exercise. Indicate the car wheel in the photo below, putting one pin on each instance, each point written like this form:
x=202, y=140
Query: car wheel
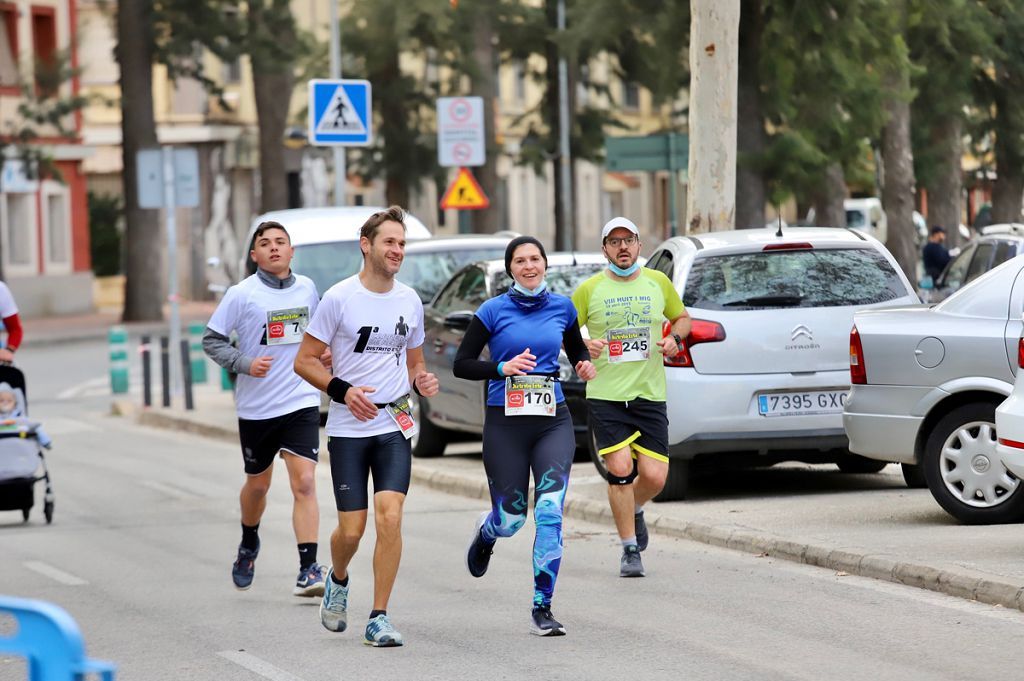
x=432, y=439
x=913, y=475
x=963, y=472
x=677, y=484
x=853, y=463
x=594, y=456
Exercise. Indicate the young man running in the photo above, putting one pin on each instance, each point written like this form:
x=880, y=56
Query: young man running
x=374, y=328
x=623, y=308
x=278, y=412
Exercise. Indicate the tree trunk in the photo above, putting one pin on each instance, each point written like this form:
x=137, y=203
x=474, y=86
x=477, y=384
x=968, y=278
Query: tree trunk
x=750, y=134
x=144, y=285
x=944, y=194
x=828, y=202
x=487, y=221
x=273, y=82
x=714, y=53
x=564, y=224
x=898, y=186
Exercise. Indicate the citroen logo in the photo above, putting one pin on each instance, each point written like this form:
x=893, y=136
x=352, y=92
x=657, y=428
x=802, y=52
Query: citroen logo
x=801, y=330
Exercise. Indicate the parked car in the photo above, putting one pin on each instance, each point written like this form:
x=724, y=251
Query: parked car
x=764, y=372
x=458, y=409
x=1010, y=424
x=326, y=240
x=995, y=245
x=926, y=383
x=429, y=264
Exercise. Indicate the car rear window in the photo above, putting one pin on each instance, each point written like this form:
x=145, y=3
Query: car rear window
x=789, y=279
x=328, y=263
x=563, y=279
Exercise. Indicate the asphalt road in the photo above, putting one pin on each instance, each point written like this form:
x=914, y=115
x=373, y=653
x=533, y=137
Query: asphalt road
x=146, y=526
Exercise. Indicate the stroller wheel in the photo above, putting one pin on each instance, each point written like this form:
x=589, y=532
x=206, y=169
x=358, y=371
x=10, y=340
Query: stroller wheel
x=24, y=513
x=48, y=511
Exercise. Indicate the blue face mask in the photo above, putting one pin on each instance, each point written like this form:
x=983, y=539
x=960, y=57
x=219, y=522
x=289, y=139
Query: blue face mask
x=527, y=292
x=624, y=272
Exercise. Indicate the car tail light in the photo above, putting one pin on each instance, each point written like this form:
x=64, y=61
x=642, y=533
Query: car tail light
x=1020, y=353
x=701, y=331
x=788, y=247
x=858, y=369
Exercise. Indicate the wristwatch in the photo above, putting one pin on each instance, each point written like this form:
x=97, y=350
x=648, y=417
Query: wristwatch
x=678, y=339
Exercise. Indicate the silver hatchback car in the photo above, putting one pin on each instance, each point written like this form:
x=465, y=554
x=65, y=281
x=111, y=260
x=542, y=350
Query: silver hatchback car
x=927, y=382
x=764, y=372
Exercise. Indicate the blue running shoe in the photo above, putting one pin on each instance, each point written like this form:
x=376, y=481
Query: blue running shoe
x=334, y=606
x=380, y=633
x=310, y=582
x=244, y=567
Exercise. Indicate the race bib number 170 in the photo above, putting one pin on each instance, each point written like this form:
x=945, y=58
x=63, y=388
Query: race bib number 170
x=529, y=396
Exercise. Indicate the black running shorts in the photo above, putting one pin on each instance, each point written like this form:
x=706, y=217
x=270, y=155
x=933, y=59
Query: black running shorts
x=639, y=424
x=295, y=433
x=387, y=456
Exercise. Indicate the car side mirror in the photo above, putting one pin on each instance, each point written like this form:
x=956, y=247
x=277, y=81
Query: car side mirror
x=458, y=321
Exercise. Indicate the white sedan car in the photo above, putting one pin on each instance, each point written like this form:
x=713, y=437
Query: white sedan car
x=1010, y=423
x=765, y=370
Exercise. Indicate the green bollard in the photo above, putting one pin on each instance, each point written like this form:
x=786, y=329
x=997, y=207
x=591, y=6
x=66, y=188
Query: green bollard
x=118, y=340
x=225, y=380
x=196, y=354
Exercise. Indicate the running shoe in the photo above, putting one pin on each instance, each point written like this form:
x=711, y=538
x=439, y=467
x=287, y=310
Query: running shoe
x=544, y=623
x=310, y=582
x=478, y=557
x=631, y=565
x=334, y=606
x=244, y=567
x=640, y=527
x=381, y=634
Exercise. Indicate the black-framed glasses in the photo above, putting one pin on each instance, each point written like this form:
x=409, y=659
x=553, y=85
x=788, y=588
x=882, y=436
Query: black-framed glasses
x=615, y=241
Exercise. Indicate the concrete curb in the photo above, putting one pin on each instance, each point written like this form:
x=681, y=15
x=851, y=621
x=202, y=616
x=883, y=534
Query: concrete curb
x=973, y=586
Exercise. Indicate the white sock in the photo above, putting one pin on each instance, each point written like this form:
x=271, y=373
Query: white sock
x=638, y=509
x=629, y=542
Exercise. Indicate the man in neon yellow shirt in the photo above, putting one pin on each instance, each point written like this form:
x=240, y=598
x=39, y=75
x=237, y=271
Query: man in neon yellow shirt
x=623, y=308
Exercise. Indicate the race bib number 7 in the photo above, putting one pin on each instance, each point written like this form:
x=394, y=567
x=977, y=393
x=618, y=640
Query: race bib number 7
x=285, y=327
x=629, y=345
x=529, y=396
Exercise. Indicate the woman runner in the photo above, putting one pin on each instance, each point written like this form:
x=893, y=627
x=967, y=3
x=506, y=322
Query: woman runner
x=527, y=424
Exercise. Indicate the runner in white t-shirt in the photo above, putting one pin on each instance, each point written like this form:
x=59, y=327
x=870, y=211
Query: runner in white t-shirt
x=278, y=412
x=374, y=328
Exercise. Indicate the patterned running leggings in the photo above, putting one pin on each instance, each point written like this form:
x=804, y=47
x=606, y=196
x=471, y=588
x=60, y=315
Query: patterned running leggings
x=513, y=446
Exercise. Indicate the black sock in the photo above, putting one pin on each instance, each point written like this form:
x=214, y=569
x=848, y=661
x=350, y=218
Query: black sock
x=250, y=537
x=343, y=582
x=374, y=613
x=307, y=555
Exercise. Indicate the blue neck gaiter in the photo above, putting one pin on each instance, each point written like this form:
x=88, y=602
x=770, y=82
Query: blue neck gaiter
x=624, y=272
x=527, y=300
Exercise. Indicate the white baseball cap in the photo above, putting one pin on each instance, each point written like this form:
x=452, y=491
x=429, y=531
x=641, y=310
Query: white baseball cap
x=615, y=223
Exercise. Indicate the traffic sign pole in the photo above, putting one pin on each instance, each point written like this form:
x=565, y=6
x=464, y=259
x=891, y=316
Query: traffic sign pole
x=340, y=171
x=172, y=260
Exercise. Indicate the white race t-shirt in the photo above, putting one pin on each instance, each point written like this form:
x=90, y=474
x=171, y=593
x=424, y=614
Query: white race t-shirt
x=369, y=334
x=7, y=305
x=246, y=309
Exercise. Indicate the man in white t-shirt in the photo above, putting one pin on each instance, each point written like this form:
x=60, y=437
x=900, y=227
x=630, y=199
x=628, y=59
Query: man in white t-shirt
x=278, y=412
x=374, y=328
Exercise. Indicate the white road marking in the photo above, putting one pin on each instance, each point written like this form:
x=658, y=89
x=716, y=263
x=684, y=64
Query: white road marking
x=64, y=426
x=170, y=490
x=55, y=574
x=258, y=666
x=89, y=386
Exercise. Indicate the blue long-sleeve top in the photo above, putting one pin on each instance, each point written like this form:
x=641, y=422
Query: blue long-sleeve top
x=508, y=329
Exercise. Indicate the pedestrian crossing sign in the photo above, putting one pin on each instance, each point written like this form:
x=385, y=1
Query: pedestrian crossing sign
x=465, y=193
x=340, y=113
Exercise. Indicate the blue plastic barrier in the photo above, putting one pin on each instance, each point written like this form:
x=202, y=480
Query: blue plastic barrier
x=51, y=641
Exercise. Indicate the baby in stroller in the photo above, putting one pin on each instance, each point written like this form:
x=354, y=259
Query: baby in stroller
x=21, y=448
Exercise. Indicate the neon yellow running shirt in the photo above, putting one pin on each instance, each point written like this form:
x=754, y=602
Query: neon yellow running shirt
x=629, y=314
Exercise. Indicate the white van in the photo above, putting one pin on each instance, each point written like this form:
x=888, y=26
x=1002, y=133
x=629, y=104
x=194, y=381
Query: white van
x=866, y=215
x=326, y=241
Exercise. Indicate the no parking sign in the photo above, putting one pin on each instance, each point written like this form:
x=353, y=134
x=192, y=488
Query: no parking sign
x=460, y=132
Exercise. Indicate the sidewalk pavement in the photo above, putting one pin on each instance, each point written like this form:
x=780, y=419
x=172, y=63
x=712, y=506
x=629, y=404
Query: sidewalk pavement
x=48, y=331
x=868, y=525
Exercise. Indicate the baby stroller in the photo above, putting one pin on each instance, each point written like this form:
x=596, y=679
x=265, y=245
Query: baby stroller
x=21, y=449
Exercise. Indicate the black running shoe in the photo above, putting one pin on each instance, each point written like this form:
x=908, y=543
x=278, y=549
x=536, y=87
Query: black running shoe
x=244, y=567
x=640, y=527
x=544, y=623
x=478, y=556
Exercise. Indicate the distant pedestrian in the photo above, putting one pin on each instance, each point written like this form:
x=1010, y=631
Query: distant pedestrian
x=12, y=324
x=935, y=256
x=278, y=412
